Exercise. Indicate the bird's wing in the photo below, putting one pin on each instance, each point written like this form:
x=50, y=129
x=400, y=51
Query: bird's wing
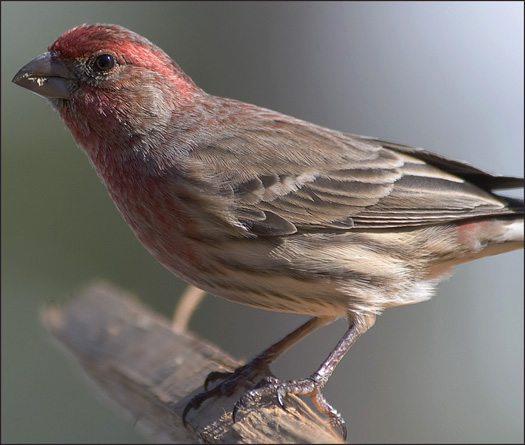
x=284, y=176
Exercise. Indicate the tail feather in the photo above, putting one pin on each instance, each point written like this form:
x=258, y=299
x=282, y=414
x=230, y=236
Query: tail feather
x=515, y=204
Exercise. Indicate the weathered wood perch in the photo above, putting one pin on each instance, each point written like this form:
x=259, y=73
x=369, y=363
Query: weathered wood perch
x=151, y=371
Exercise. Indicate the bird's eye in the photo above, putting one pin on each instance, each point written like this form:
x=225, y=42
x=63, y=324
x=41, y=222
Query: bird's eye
x=104, y=62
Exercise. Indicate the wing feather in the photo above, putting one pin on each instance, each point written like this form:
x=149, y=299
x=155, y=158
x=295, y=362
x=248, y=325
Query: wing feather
x=285, y=175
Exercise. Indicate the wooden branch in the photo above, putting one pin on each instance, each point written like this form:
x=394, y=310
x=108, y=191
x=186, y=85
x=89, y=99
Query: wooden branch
x=152, y=372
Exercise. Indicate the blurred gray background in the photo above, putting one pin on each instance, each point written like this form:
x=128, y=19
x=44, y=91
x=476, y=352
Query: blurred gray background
x=444, y=76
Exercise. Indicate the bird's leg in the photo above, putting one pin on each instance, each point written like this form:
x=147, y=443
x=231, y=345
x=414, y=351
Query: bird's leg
x=310, y=386
x=187, y=304
x=260, y=364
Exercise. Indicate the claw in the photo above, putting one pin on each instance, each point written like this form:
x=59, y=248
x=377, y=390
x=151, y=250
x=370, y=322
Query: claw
x=336, y=420
x=343, y=430
x=339, y=422
x=234, y=412
x=246, y=400
x=196, y=401
x=185, y=412
x=280, y=393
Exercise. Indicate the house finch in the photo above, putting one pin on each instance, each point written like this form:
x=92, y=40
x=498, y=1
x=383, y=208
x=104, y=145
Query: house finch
x=264, y=209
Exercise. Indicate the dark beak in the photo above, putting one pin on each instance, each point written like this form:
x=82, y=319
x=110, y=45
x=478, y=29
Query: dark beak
x=46, y=76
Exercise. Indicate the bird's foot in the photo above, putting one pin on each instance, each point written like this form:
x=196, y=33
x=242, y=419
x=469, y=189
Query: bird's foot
x=231, y=381
x=269, y=385
x=310, y=386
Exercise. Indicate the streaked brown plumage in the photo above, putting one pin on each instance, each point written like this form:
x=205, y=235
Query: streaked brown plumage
x=264, y=209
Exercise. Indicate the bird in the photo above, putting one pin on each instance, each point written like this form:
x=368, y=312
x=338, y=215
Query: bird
x=264, y=209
